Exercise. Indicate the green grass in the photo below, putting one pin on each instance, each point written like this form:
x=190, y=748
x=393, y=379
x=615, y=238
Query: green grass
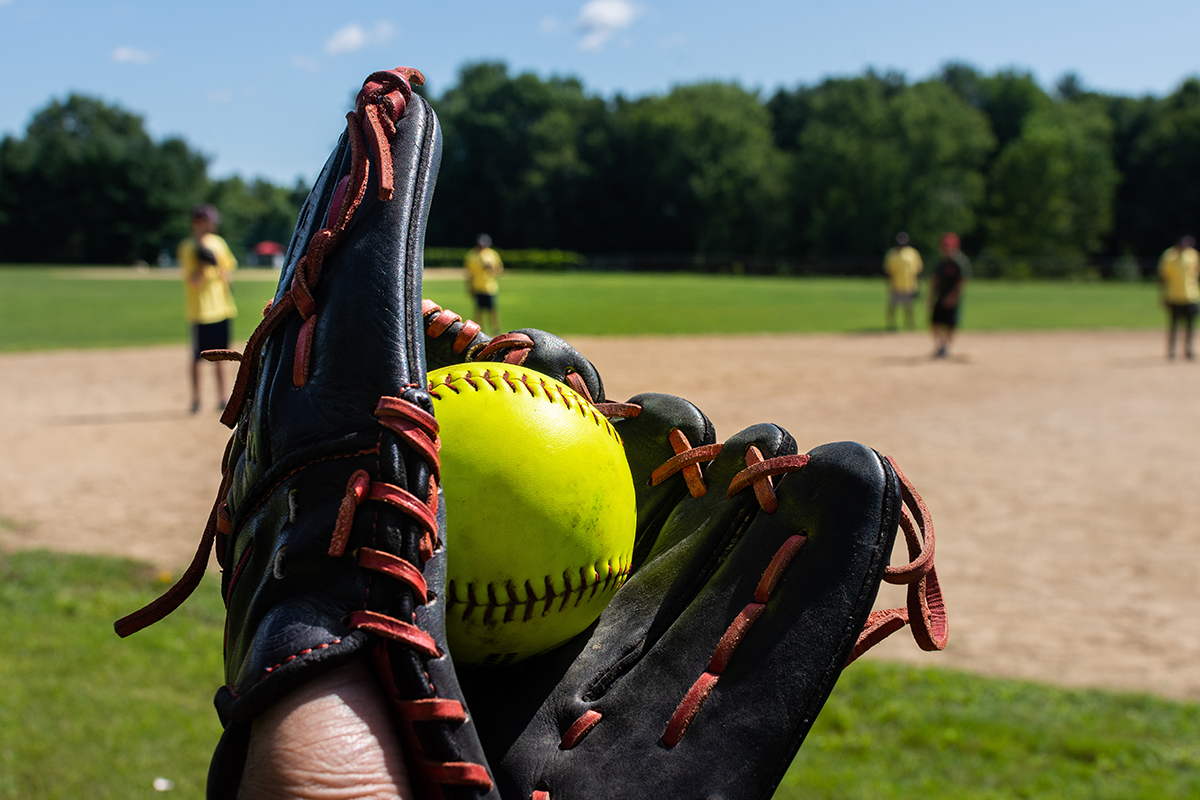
x=85, y=714
x=56, y=308
x=52, y=308
x=892, y=732
x=617, y=303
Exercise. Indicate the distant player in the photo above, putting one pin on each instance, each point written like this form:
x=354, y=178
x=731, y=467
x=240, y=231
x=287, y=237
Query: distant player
x=205, y=263
x=903, y=266
x=482, y=267
x=1179, y=291
x=945, y=294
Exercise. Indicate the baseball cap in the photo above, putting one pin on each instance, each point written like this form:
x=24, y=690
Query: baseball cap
x=206, y=211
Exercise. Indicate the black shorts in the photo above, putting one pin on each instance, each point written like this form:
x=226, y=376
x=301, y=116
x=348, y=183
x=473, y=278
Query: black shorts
x=1183, y=312
x=485, y=302
x=210, y=336
x=944, y=316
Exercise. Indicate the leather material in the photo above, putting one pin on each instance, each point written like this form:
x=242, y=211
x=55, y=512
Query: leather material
x=310, y=424
x=450, y=340
x=554, y=357
x=286, y=491
x=657, y=640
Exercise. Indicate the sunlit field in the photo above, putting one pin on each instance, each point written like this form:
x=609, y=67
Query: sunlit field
x=50, y=308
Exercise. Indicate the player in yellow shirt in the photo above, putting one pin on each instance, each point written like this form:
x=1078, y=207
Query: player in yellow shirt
x=482, y=267
x=205, y=262
x=1179, y=290
x=903, y=267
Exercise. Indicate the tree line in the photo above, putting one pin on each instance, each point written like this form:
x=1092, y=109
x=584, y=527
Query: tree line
x=1034, y=181
x=87, y=184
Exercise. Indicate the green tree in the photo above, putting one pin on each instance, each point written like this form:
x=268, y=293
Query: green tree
x=873, y=160
x=1162, y=199
x=699, y=172
x=518, y=156
x=1136, y=213
x=1007, y=97
x=87, y=184
x=1052, y=187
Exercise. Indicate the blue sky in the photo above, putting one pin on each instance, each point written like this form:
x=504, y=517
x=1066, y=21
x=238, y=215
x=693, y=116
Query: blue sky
x=261, y=87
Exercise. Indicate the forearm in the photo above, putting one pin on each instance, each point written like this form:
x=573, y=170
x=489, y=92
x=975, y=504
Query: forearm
x=331, y=738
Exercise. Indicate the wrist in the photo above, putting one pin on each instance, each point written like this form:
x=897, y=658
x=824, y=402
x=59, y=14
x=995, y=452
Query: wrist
x=331, y=736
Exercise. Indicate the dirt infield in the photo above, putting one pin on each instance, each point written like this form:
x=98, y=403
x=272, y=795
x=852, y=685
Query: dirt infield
x=1061, y=470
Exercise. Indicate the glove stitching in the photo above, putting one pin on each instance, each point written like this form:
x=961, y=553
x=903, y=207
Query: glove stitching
x=758, y=473
x=925, y=612
x=267, y=672
x=364, y=130
x=687, y=459
x=580, y=728
x=266, y=495
x=190, y=580
x=692, y=702
x=416, y=429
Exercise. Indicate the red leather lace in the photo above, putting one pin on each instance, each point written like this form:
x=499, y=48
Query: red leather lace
x=925, y=611
x=507, y=348
x=439, y=320
x=380, y=103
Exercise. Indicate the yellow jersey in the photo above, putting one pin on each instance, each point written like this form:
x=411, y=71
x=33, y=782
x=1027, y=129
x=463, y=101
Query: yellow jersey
x=206, y=286
x=903, y=265
x=1178, y=272
x=482, y=266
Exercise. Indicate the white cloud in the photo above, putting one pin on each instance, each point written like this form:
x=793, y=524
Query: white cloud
x=130, y=55
x=355, y=37
x=548, y=25
x=304, y=63
x=4, y=2
x=218, y=96
x=600, y=20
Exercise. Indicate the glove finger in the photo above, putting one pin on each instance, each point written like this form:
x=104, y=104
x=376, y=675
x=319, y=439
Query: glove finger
x=792, y=596
x=334, y=538
x=665, y=443
x=699, y=644
x=452, y=340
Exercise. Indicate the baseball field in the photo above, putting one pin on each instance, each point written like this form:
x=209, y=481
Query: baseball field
x=1055, y=448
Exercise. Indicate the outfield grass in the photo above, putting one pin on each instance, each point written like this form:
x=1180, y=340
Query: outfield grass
x=617, y=303
x=52, y=308
x=85, y=714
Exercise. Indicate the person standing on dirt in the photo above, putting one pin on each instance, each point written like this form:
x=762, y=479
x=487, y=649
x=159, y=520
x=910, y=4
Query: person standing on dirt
x=902, y=264
x=945, y=294
x=206, y=262
x=482, y=267
x=1179, y=292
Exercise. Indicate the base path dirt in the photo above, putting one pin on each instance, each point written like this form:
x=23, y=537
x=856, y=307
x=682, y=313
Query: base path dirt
x=1061, y=470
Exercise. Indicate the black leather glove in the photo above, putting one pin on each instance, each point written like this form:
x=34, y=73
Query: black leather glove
x=328, y=524
x=755, y=570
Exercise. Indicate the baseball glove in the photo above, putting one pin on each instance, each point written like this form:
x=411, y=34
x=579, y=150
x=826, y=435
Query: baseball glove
x=755, y=566
x=754, y=573
x=328, y=524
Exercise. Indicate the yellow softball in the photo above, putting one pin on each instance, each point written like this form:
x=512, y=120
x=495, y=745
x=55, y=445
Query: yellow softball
x=540, y=511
